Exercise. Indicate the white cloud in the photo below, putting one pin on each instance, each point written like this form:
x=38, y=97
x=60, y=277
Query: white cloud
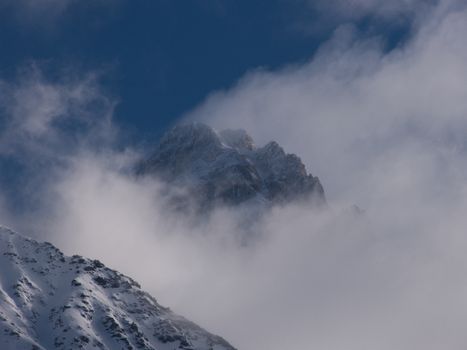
x=390, y=279
x=46, y=114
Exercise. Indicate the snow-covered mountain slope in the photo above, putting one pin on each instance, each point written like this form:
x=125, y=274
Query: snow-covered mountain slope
x=51, y=301
x=227, y=168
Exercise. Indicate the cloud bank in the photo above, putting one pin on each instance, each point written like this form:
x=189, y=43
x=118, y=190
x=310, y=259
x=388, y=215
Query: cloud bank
x=383, y=130
x=45, y=120
x=38, y=111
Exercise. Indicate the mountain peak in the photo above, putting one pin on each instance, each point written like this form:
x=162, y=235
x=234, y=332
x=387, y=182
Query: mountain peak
x=227, y=168
x=238, y=139
x=196, y=134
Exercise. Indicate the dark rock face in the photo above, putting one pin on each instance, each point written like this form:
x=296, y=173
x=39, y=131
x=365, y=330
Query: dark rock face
x=226, y=168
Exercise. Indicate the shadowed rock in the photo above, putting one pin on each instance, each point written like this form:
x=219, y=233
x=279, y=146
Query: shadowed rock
x=226, y=168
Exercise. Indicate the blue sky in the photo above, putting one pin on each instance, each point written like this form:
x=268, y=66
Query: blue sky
x=161, y=58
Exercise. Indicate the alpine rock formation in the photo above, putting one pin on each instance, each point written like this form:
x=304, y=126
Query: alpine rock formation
x=51, y=301
x=211, y=168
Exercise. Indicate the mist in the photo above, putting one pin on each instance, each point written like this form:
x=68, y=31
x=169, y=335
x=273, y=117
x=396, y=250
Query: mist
x=383, y=130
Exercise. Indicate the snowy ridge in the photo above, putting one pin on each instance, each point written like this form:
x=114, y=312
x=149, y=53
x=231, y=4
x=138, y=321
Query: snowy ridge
x=51, y=301
x=227, y=168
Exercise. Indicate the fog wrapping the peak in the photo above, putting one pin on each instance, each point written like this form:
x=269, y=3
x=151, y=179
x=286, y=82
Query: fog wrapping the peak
x=385, y=131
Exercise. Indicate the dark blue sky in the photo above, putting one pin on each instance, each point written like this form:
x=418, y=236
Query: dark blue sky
x=160, y=58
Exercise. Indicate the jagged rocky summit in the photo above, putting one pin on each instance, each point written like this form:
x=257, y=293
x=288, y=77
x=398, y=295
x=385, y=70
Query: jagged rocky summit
x=51, y=301
x=214, y=168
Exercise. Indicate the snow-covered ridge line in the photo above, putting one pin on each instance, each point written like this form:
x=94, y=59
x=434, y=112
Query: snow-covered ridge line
x=51, y=301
